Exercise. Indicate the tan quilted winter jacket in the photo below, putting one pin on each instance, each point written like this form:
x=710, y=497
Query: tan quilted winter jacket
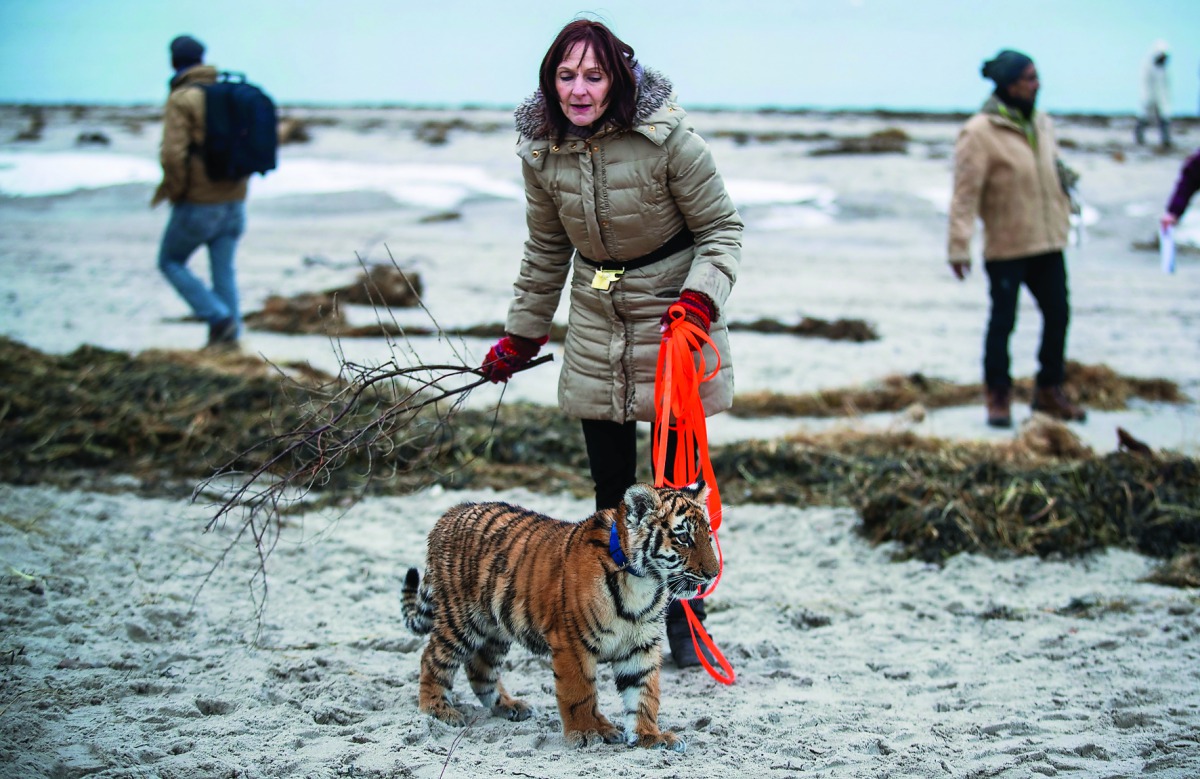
x=617, y=196
x=1012, y=186
x=184, y=179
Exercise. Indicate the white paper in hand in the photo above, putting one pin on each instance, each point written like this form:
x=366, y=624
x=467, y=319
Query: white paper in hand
x=1166, y=248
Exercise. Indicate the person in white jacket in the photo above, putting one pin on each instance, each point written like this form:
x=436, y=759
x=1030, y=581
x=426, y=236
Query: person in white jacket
x=1156, y=96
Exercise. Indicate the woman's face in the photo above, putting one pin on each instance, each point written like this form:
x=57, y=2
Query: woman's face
x=582, y=86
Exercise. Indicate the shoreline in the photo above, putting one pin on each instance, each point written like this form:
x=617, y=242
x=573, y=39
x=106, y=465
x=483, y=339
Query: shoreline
x=881, y=112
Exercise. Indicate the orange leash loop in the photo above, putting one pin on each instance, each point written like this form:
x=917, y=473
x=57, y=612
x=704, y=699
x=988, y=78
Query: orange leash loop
x=677, y=407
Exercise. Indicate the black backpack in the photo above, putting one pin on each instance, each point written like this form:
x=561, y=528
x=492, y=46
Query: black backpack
x=241, y=133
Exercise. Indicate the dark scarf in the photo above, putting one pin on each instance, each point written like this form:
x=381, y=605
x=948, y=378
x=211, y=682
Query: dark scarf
x=1025, y=107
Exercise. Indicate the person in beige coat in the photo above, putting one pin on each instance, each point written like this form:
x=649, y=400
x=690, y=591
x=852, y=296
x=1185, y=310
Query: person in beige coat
x=1007, y=173
x=624, y=203
x=204, y=212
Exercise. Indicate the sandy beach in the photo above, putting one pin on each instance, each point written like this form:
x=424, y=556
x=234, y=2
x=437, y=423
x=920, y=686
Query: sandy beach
x=132, y=648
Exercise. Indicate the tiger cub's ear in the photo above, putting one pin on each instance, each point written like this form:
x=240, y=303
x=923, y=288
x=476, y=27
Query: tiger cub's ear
x=698, y=491
x=640, y=501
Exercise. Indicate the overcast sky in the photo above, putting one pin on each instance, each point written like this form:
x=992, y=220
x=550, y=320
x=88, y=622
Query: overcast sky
x=803, y=53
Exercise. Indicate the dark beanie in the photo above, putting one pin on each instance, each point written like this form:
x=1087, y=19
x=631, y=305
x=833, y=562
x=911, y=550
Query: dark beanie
x=186, y=51
x=1006, y=68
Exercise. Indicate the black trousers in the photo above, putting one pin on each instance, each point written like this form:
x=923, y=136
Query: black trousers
x=1045, y=275
x=613, y=459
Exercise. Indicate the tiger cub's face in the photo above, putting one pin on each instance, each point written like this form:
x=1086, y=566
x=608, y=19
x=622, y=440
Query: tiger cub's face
x=671, y=536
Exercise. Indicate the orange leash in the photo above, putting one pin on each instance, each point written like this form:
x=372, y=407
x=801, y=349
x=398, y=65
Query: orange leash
x=677, y=407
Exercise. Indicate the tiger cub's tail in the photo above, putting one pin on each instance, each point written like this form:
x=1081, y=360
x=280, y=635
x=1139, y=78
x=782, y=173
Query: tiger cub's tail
x=415, y=604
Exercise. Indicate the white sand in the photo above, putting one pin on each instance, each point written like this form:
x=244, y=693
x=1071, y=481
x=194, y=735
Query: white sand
x=111, y=672
x=117, y=664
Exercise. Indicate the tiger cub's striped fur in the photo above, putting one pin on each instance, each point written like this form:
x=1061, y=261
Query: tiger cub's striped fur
x=498, y=574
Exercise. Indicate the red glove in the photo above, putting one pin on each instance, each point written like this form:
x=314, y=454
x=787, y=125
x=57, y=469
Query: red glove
x=509, y=354
x=698, y=309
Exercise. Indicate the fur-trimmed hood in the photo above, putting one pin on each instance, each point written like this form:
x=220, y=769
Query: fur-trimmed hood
x=654, y=90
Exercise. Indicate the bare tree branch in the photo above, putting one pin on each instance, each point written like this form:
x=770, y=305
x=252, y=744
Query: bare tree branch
x=373, y=421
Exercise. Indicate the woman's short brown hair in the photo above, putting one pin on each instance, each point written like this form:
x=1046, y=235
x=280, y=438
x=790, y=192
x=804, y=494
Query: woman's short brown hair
x=613, y=55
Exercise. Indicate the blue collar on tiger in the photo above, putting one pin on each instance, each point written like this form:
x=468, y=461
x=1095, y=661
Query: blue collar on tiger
x=618, y=554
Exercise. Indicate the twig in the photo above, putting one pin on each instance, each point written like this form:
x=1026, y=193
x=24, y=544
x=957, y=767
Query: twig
x=454, y=744
x=369, y=416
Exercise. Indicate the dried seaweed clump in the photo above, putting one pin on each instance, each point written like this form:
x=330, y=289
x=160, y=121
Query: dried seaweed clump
x=1100, y=387
x=1067, y=509
x=889, y=141
x=171, y=419
x=936, y=499
x=892, y=393
x=1182, y=570
x=311, y=313
x=1094, y=386
x=855, y=330
x=320, y=313
x=383, y=285
x=175, y=413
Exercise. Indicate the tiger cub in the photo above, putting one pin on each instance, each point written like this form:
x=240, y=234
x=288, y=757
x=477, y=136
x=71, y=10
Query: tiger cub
x=583, y=592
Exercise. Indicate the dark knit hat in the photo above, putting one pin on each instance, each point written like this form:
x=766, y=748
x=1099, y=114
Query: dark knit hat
x=186, y=51
x=1006, y=68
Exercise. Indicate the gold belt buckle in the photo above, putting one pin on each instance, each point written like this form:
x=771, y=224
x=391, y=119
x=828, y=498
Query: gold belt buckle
x=605, y=278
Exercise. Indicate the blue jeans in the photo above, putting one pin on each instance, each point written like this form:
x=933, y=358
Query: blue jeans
x=1046, y=277
x=217, y=226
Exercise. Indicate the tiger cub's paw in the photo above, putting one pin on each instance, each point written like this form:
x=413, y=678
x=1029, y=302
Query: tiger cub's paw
x=590, y=738
x=513, y=709
x=664, y=740
x=442, y=709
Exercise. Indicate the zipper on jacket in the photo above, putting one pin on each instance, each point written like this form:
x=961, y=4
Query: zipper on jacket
x=1029, y=131
x=1037, y=162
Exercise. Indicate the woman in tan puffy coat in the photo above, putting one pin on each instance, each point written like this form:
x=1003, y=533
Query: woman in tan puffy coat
x=1006, y=172
x=624, y=200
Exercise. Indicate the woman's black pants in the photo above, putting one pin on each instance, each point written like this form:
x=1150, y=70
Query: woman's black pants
x=613, y=458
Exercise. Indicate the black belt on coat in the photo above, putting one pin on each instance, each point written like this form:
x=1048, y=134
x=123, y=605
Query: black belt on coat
x=678, y=242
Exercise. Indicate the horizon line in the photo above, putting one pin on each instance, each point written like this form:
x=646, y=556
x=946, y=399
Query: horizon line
x=902, y=111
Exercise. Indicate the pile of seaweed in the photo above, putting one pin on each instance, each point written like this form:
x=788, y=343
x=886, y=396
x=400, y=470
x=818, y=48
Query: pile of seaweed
x=1095, y=386
x=161, y=422
x=382, y=286
x=937, y=498
x=855, y=330
x=889, y=141
x=157, y=416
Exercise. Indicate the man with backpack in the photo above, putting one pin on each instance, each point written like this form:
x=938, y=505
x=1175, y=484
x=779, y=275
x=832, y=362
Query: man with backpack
x=208, y=197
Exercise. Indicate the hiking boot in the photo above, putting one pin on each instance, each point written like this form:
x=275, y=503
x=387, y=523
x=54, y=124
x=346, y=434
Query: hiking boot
x=679, y=636
x=999, y=413
x=1053, y=401
x=223, y=333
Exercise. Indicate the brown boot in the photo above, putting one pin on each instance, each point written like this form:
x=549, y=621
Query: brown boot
x=998, y=412
x=1054, y=402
